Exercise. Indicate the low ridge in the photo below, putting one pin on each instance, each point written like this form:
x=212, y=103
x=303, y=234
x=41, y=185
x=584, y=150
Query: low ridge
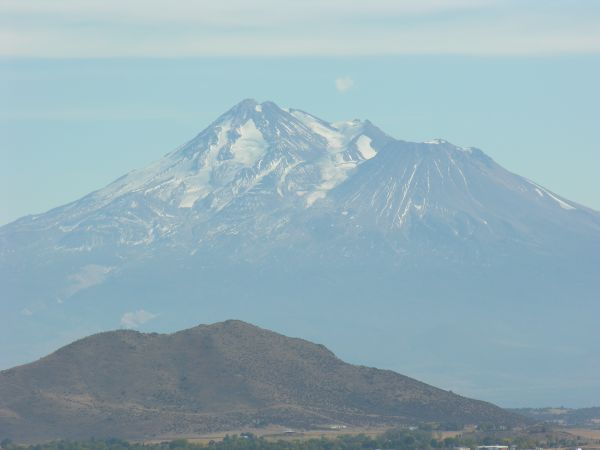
x=212, y=377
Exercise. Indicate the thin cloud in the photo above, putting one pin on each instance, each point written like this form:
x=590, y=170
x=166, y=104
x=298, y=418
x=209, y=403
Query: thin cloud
x=135, y=319
x=86, y=277
x=100, y=113
x=344, y=84
x=225, y=12
x=136, y=28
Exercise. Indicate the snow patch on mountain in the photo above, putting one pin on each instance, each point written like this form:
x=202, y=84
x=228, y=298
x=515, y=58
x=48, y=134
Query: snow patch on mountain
x=541, y=191
x=363, y=143
x=347, y=147
x=250, y=146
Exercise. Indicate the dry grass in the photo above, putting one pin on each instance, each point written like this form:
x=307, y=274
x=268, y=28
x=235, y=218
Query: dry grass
x=316, y=434
x=586, y=433
x=276, y=433
x=446, y=434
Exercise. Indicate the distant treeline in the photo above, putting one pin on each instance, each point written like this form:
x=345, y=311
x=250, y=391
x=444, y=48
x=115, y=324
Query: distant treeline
x=398, y=439
x=563, y=416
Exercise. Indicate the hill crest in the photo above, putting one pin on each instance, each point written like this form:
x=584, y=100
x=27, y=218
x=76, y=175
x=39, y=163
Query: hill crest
x=222, y=376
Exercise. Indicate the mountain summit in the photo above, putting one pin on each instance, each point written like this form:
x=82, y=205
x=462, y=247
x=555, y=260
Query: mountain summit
x=258, y=165
x=291, y=219
x=218, y=377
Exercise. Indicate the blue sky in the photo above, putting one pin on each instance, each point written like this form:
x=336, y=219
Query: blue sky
x=90, y=90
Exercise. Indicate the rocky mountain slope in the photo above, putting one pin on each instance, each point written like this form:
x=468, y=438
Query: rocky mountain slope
x=259, y=170
x=217, y=377
x=284, y=219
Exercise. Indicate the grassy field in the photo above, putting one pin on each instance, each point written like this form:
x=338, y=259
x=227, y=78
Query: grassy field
x=275, y=433
x=584, y=433
x=278, y=433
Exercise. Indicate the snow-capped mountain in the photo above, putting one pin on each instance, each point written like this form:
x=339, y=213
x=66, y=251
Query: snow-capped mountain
x=453, y=192
x=257, y=166
x=254, y=158
x=273, y=213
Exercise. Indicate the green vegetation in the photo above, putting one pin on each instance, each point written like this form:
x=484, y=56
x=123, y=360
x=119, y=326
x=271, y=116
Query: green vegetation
x=403, y=440
x=583, y=417
x=398, y=439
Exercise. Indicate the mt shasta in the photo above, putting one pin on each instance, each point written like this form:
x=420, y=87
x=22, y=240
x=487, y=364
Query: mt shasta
x=334, y=231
